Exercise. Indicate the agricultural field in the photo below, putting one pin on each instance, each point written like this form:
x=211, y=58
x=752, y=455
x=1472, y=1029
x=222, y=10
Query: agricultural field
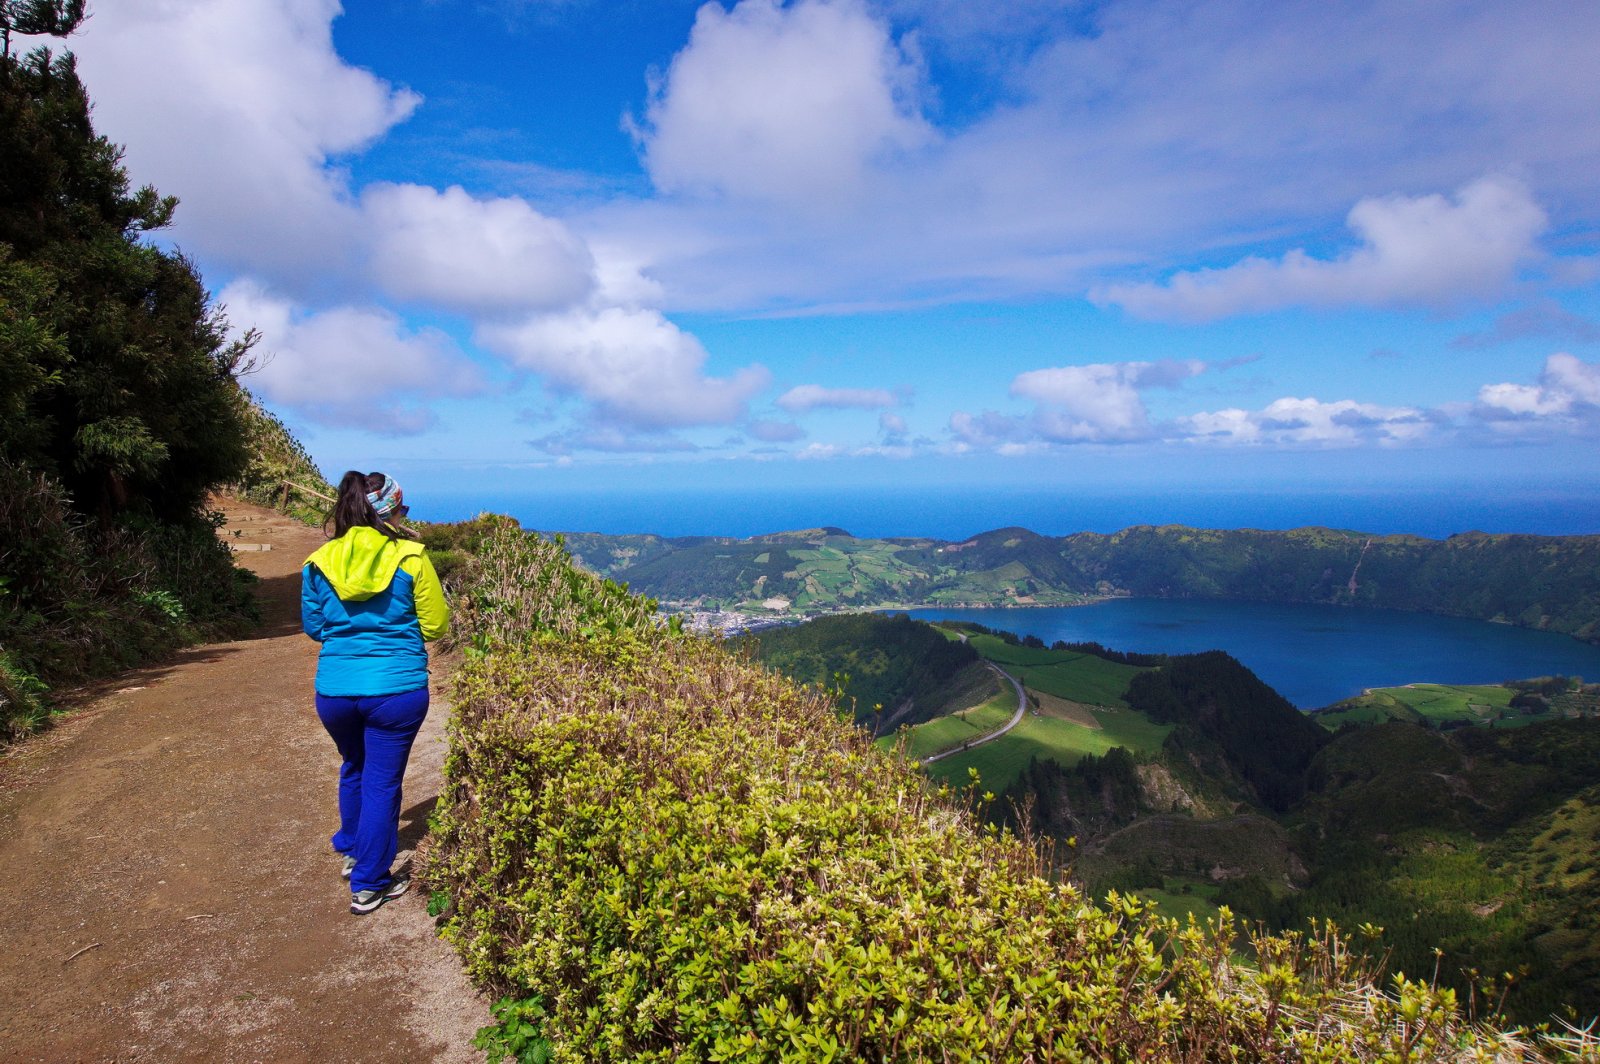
x=1428, y=703
x=1064, y=673
x=1076, y=708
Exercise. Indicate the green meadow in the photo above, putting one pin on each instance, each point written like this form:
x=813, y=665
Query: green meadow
x=1050, y=730
x=1426, y=703
x=1063, y=673
x=950, y=731
x=1039, y=735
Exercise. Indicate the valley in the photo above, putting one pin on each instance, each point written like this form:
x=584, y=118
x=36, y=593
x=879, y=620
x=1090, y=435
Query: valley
x=1457, y=817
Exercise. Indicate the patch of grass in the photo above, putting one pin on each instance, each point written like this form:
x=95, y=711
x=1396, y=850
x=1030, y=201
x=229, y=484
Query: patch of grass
x=1000, y=762
x=950, y=731
x=1432, y=703
x=1183, y=898
x=1063, y=673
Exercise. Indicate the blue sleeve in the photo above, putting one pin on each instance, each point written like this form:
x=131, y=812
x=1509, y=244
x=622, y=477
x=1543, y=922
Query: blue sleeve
x=311, y=602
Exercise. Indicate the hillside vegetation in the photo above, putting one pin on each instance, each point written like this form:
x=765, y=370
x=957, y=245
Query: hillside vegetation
x=891, y=670
x=1471, y=848
x=1546, y=582
x=658, y=851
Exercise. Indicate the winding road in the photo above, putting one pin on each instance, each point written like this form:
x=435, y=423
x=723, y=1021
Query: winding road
x=1016, y=718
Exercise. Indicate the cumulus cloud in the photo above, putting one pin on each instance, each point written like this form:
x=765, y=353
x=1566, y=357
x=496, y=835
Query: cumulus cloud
x=482, y=256
x=805, y=397
x=350, y=366
x=239, y=108
x=632, y=363
x=1567, y=394
x=1099, y=402
x=1102, y=403
x=988, y=429
x=1426, y=250
x=1135, y=132
x=786, y=103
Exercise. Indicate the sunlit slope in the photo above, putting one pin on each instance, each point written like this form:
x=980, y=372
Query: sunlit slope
x=654, y=850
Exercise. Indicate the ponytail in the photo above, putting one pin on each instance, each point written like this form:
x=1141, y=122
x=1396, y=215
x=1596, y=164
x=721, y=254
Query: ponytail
x=351, y=509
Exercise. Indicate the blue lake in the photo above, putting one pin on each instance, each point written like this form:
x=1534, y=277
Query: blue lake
x=1313, y=655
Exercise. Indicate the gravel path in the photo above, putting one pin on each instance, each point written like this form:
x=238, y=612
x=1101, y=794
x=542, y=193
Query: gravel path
x=168, y=892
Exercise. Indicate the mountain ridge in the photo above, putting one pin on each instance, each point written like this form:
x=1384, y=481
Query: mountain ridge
x=1525, y=579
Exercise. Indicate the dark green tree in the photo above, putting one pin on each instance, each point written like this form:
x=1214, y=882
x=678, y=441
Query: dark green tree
x=38, y=18
x=116, y=377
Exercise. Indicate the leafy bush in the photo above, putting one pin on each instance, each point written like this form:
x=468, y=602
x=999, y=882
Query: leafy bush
x=78, y=600
x=682, y=856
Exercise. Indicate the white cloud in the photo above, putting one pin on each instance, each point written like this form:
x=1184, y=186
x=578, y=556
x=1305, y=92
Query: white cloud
x=1099, y=402
x=1310, y=422
x=1425, y=250
x=483, y=256
x=789, y=103
x=610, y=439
x=632, y=363
x=1138, y=132
x=816, y=452
x=987, y=429
x=349, y=366
x=805, y=397
x=239, y=108
x=1568, y=392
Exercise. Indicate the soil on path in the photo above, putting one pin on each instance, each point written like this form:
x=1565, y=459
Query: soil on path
x=167, y=890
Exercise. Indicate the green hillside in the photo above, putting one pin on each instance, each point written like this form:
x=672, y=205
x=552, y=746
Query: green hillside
x=892, y=670
x=654, y=850
x=1547, y=582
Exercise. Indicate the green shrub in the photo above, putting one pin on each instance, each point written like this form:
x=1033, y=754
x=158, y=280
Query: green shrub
x=80, y=600
x=22, y=705
x=684, y=857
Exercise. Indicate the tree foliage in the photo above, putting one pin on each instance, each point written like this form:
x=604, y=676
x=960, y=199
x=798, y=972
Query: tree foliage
x=118, y=407
x=115, y=370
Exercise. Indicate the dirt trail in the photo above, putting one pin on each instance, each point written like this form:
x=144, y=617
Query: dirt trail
x=167, y=891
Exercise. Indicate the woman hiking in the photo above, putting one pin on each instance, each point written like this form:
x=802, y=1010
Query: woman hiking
x=372, y=599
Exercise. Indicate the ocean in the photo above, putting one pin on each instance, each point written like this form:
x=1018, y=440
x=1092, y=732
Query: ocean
x=957, y=513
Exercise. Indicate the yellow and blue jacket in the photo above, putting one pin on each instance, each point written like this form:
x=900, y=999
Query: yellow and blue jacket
x=372, y=602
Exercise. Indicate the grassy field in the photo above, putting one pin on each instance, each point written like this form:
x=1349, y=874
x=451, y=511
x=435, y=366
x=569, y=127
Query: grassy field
x=1182, y=898
x=1079, y=710
x=1039, y=735
x=1431, y=703
x=948, y=732
x=1063, y=673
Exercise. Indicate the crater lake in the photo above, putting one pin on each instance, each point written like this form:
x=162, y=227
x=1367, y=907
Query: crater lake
x=1313, y=655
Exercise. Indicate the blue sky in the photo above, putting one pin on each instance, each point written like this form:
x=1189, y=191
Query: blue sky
x=515, y=245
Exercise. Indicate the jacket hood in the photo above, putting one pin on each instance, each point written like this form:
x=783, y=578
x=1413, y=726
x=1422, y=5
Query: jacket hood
x=362, y=562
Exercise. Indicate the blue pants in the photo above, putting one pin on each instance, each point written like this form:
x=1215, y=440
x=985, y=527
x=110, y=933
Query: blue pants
x=374, y=736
